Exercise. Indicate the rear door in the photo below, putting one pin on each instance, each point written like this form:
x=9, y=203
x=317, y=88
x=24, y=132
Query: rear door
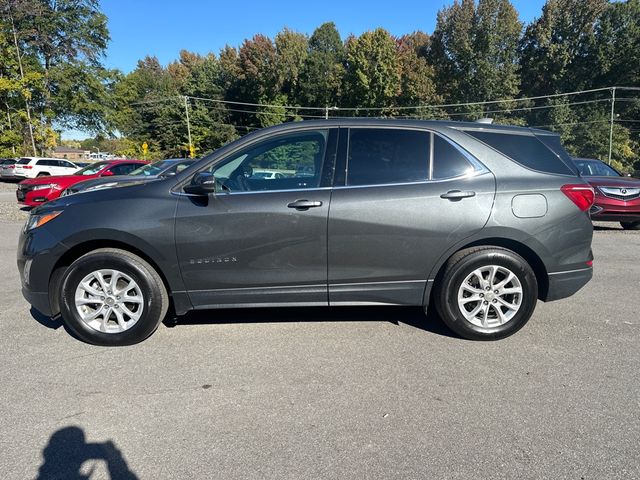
x=405, y=197
x=261, y=241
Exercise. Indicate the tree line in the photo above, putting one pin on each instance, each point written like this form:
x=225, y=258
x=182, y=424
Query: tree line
x=52, y=77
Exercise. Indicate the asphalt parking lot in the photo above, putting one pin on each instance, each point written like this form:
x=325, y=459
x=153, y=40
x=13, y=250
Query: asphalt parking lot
x=329, y=393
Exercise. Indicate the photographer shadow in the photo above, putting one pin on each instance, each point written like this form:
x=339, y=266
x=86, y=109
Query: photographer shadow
x=68, y=450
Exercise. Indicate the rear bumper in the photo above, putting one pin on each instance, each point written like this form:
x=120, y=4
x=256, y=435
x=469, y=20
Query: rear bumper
x=565, y=284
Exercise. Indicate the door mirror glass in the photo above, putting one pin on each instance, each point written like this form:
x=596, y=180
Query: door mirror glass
x=202, y=183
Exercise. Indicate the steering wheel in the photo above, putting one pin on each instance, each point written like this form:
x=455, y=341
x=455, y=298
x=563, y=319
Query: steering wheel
x=239, y=177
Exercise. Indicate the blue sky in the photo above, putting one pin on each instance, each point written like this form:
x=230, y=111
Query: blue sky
x=163, y=28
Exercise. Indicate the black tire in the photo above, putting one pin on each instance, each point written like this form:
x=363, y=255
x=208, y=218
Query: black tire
x=155, y=305
x=462, y=264
x=630, y=225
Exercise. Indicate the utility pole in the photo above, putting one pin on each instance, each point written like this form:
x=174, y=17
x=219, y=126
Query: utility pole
x=613, y=102
x=186, y=111
x=26, y=102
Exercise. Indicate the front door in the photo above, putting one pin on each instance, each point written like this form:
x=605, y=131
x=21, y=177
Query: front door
x=262, y=238
x=407, y=196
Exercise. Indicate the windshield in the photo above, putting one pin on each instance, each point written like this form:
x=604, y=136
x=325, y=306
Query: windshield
x=152, y=168
x=595, y=168
x=92, y=169
x=23, y=161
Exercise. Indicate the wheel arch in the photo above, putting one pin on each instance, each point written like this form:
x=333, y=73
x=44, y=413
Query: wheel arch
x=525, y=251
x=82, y=248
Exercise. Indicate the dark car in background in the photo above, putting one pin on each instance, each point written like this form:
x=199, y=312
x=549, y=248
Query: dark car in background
x=617, y=197
x=161, y=168
x=36, y=191
x=481, y=221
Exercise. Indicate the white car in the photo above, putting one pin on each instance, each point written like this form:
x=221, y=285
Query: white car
x=32, y=167
x=267, y=174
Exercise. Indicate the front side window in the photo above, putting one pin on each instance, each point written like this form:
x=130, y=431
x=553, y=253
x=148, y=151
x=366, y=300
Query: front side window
x=287, y=162
x=380, y=156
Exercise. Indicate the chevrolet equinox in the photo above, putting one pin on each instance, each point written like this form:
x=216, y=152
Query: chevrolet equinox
x=479, y=220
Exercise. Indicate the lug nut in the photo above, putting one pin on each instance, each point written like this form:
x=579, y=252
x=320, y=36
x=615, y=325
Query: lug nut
x=496, y=292
x=486, y=303
x=482, y=294
x=494, y=301
x=488, y=288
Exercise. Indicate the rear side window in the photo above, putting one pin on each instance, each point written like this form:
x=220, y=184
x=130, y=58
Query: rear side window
x=47, y=163
x=526, y=150
x=448, y=161
x=380, y=156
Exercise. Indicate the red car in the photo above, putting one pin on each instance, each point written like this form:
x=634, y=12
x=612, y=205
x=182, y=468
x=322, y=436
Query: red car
x=617, y=197
x=36, y=191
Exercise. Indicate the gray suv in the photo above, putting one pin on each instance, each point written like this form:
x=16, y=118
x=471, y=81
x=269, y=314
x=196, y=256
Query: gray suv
x=479, y=220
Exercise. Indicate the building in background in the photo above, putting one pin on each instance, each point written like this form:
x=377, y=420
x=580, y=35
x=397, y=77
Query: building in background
x=71, y=153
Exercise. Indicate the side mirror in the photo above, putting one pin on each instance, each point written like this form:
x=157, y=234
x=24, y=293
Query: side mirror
x=202, y=183
x=108, y=173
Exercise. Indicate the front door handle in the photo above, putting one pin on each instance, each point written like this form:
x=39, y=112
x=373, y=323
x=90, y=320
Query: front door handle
x=304, y=204
x=455, y=195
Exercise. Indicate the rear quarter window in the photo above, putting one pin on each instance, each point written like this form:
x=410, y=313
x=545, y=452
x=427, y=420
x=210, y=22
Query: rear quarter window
x=527, y=150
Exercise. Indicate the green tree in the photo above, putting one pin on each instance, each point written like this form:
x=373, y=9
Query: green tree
x=322, y=73
x=373, y=76
x=554, y=49
x=475, y=52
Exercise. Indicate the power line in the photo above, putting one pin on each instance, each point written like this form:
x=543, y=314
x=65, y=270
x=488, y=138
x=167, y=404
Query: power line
x=412, y=107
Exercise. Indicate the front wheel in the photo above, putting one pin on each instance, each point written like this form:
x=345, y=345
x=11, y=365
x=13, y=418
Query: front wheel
x=486, y=293
x=111, y=297
x=630, y=225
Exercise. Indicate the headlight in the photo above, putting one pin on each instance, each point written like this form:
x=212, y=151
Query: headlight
x=44, y=185
x=35, y=221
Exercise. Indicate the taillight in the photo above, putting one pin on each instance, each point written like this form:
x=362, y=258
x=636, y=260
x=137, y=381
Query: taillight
x=580, y=194
x=11, y=166
x=27, y=167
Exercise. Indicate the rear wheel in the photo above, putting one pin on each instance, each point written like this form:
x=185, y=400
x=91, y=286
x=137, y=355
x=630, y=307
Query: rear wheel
x=630, y=225
x=486, y=293
x=111, y=297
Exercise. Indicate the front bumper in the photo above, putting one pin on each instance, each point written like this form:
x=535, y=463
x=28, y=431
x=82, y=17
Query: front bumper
x=36, y=258
x=33, y=198
x=565, y=284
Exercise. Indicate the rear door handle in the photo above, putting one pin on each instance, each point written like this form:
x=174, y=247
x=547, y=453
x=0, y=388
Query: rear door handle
x=304, y=204
x=455, y=195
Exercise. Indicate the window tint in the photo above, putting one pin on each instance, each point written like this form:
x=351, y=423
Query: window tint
x=380, y=156
x=47, y=163
x=23, y=161
x=527, y=150
x=123, y=169
x=294, y=161
x=448, y=161
x=67, y=164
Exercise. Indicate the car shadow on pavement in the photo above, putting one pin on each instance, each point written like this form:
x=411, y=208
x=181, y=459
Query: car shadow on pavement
x=413, y=316
x=68, y=450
